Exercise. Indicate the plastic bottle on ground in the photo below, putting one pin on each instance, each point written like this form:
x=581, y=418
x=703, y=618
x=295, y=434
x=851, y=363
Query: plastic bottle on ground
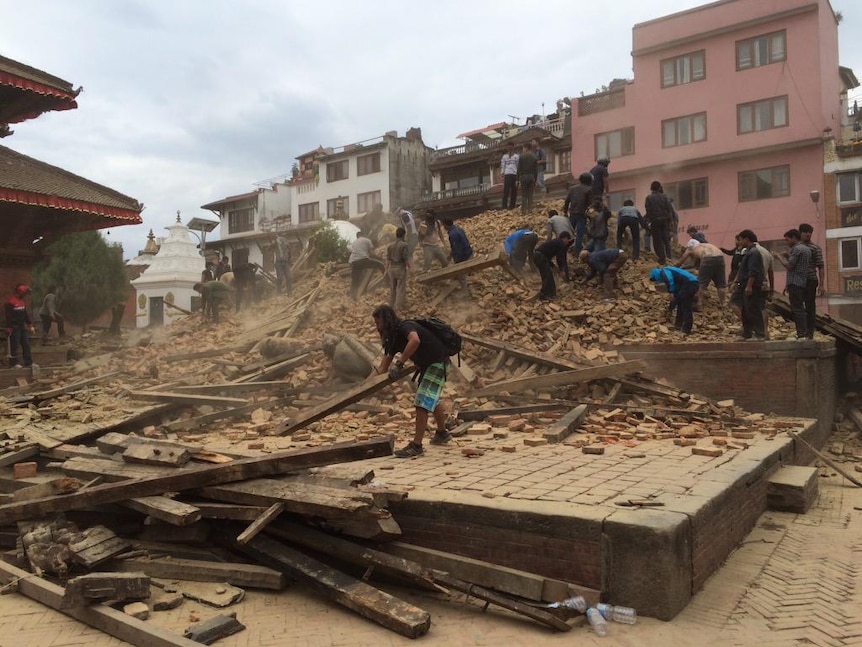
x=625, y=615
x=597, y=621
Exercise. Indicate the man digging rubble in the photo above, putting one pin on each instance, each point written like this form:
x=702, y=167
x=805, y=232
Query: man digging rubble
x=430, y=357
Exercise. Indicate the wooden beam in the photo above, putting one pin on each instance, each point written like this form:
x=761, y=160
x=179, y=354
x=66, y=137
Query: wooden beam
x=165, y=509
x=564, y=427
x=193, y=477
x=112, y=622
x=369, y=602
x=338, y=402
x=260, y=523
x=546, y=359
x=214, y=510
x=562, y=378
x=201, y=354
x=186, y=398
x=193, y=570
x=457, y=270
x=233, y=387
x=235, y=412
x=75, y=386
x=482, y=414
x=18, y=455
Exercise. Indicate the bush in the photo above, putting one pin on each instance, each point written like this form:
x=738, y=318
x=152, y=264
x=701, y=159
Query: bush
x=330, y=246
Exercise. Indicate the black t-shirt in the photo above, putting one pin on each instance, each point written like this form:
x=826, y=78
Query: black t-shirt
x=599, y=173
x=430, y=349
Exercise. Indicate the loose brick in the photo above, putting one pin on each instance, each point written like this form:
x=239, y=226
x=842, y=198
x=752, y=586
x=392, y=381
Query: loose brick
x=743, y=435
x=593, y=449
x=707, y=451
x=509, y=449
x=535, y=442
x=24, y=470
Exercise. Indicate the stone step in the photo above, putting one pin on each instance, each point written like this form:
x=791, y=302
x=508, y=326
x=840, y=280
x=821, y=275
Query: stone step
x=792, y=488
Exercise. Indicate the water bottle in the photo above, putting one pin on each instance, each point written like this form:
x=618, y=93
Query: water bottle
x=577, y=603
x=626, y=615
x=597, y=621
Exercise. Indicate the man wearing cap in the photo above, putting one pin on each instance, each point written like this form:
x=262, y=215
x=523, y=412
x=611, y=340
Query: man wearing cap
x=19, y=326
x=682, y=286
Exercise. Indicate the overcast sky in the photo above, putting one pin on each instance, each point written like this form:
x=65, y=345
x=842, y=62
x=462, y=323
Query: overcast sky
x=189, y=101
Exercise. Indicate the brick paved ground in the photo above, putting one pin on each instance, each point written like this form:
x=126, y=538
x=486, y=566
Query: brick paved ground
x=795, y=580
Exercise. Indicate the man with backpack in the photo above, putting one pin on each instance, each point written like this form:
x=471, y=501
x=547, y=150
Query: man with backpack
x=429, y=353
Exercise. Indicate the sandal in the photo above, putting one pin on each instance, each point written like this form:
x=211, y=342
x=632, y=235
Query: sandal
x=409, y=450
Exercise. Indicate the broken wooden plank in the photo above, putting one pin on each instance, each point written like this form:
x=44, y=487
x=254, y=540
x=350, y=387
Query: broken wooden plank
x=482, y=414
x=546, y=359
x=71, y=388
x=201, y=354
x=165, y=509
x=151, y=454
x=457, y=270
x=215, y=510
x=260, y=523
x=236, y=412
x=195, y=570
x=91, y=587
x=374, y=604
x=523, y=584
x=234, y=387
x=18, y=455
x=191, y=477
x=96, y=545
x=112, y=622
x=338, y=402
x=564, y=427
x=562, y=378
x=187, y=398
x=54, y=487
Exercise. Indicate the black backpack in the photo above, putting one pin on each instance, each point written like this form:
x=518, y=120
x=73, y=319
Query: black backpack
x=447, y=335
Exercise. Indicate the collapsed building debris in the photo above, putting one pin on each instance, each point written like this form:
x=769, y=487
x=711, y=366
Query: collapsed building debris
x=221, y=440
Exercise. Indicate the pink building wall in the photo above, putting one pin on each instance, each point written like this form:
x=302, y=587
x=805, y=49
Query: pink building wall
x=808, y=77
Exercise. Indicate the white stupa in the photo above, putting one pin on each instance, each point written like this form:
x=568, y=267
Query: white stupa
x=169, y=279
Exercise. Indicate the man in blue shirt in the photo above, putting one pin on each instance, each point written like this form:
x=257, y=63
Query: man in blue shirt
x=552, y=249
x=682, y=286
x=459, y=245
x=607, y=264
x=520, y=245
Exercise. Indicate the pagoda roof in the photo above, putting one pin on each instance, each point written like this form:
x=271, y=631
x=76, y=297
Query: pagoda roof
x=26, y=92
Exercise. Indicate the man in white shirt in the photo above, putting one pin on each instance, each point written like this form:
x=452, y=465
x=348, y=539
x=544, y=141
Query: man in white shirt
x=362, y=257
x=509, y=171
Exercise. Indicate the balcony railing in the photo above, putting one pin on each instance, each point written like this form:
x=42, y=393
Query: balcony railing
x=849, y=148
x=601, y=101
x=478, y=189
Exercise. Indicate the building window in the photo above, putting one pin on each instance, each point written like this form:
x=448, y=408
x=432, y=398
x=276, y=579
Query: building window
x=337, y=170
x=366, y=164
x=309, y=212
x=549, y=162
x=851, y=254
x=365, y=201
x=337, y=208
x=683, y=130
x=764, y=183
x=683, y=69
x=240, y=220
x=762, y=50
x=616, y=199
x=761, y=115
x=565, y=161
x=849, y=188
x=689, y=194
x=616, y=143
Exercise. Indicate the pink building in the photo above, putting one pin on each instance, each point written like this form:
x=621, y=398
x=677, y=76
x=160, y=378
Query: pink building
x=729, y=108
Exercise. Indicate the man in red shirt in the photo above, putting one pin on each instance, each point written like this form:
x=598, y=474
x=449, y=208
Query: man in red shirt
x=19, y=326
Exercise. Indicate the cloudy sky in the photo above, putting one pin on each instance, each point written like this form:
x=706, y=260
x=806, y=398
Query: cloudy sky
x=189, y=101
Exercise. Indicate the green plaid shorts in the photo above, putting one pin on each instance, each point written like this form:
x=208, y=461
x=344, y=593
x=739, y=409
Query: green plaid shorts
x=431, y=386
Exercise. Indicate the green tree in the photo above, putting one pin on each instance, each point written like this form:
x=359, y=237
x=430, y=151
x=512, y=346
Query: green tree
x=329, y=244
x=87, y=273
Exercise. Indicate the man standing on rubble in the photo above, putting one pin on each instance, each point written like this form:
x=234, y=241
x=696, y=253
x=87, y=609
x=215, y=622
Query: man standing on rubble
x=659, y=219
x=362, y=257
x=557, y=224
x=797, y=262
x=19, y=326
x=542, y=257
x=431, y=235
x=710, y=262
x=509, y=171
x=527, y=170
x=282, y=264
x=575, y=206
x=749, y=283
x=415, y=342
x=213, y=295
x=459, y=247
x=408, y=221
x=601, y=185
x=814, y=285
x=541, y=163
x=398, y=263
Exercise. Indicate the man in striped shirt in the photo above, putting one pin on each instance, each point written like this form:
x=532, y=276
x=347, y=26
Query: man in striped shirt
x=796, y=261
x=813, y=287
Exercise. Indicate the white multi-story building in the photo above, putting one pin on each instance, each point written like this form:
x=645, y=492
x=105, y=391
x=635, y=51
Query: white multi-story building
x=341, y=183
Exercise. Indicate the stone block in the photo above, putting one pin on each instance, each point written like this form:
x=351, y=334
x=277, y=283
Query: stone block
x=792, y=489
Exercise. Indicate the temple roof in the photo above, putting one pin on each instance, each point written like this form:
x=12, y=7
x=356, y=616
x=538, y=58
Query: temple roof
x=25, y=92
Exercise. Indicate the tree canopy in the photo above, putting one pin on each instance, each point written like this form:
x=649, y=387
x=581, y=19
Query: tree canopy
x=87, y=274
